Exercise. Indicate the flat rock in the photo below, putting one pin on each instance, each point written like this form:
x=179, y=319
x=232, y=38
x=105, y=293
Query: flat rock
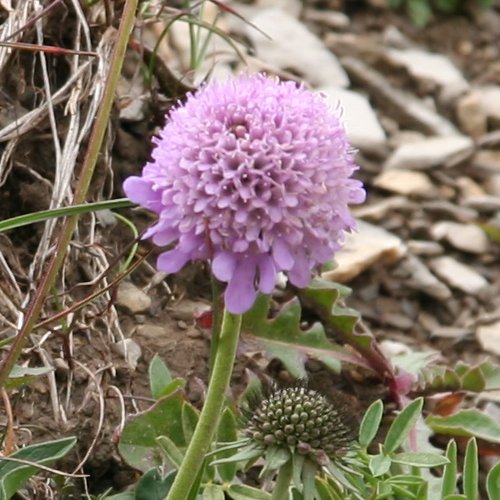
x=418, y=277
x=432, y=152
x=370, y=244
x=130, y=350
x=471, y=115
x=361, y=122
x=490, y=97
x=423, y=247
x=132, y=298
x=466, y=237
x=380, y=209
x=406, y=182
x=486, y=203
x=458, y=275
x=428, y=66
x=405, y=108
x=488, y=159
x=489, y=337
x=293, y=47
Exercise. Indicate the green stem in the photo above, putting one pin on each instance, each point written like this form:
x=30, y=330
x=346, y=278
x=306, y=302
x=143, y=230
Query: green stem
x=89, y=162
x=280, y=491
x=217, y=311
x=212, y=409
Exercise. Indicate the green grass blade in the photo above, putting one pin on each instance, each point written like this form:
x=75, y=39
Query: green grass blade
x=43, y=215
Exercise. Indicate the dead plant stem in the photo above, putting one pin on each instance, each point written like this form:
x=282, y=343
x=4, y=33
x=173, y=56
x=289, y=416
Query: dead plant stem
x=89, y=162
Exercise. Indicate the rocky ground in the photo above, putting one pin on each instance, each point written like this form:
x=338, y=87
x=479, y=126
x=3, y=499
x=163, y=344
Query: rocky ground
x=422, y=106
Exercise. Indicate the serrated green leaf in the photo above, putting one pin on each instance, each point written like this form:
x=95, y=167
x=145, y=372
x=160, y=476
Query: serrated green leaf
x=283, y=338
x=449, y=482
x=152, y=486
x=323, y=296
x=159, y=377
x=137, y=444
x=244, y=492
x=418, y=459
x=471, y=422
x=370, y=423
x=493, y=482
x=227, y=432
x=471, y=471
x=379, y=464
x=13, y=475
x=402, y=425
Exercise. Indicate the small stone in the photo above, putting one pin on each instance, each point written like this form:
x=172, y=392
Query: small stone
x=130, y=350
x=458, y=275
x=489, y=337
x=132, y=298
x=469, y=188
x=471, y=115
x=188, y=310
x=431, y=67
x=362, y=125
x=432, y=152
x=466, y=237
x=492, y=185
x=369, y=244
x=379, y=210
x=442, y=207
x=288, y=36
x=420, y=278
x=150, y=331
x=333, y=19
x=406, y=182
x=422, y=247
x=484, y=203
x=490, y=97
x=488, y=159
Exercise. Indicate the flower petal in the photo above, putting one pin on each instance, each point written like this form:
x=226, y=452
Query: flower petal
x=282, y=255
x=300, y=274
x=172, y=261
x=267, y=274
x=240, y=292
x=223, y=265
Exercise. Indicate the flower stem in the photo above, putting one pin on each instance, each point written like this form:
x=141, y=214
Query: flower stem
x=280, y=491
x=212, y=409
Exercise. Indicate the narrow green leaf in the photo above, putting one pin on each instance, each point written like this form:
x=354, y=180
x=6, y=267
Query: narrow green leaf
x=493, y=482
x=159, y=377
x=449, y=483
x=471, y=423
x=171, y=451
x=227, y=432
x=417, y=459
x=31, y=218
x=420, y=12
x=244, y=492
x=247, y=453
x=370, y=423
x=189, y=418
x=402, y=425
x=13, y=475
x=471, y=471
x=21, y=375
x=308, y=474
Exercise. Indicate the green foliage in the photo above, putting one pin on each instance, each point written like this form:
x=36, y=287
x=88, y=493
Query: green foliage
x=421, y=12
x=14, y=474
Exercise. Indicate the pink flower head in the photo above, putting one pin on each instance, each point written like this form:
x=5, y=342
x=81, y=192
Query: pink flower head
x=254, y=175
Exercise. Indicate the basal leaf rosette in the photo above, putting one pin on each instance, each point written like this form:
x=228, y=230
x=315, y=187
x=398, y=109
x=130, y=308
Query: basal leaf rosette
x=253, y=174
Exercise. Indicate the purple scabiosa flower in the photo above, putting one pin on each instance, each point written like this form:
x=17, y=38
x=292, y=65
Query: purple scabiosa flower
x=254, y=175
